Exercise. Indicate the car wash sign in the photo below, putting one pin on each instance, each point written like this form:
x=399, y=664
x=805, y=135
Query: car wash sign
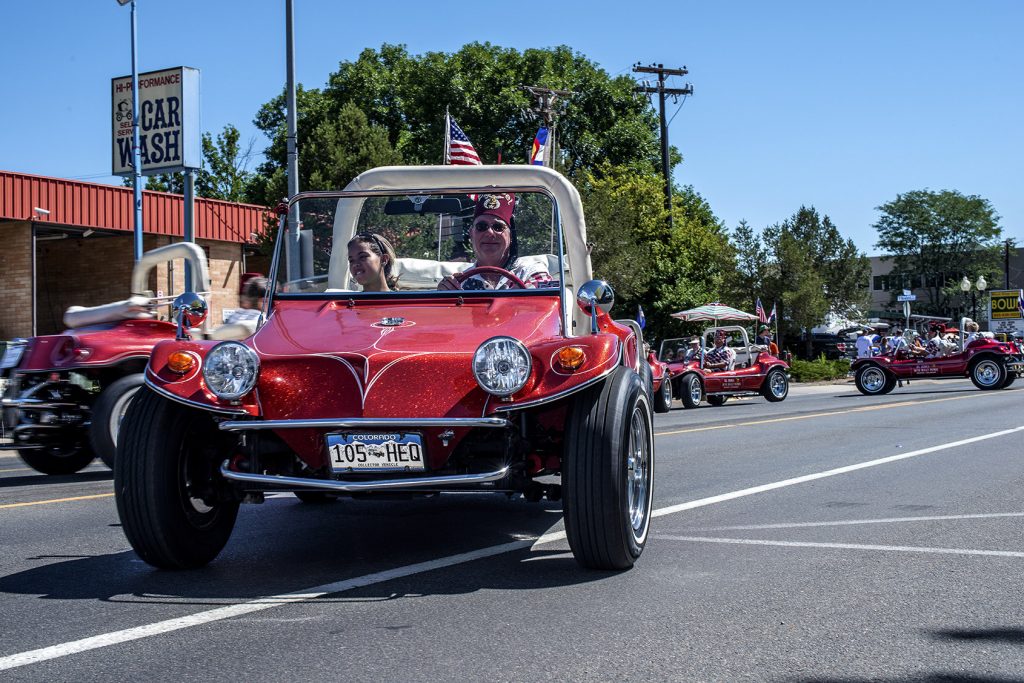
x=169, y=136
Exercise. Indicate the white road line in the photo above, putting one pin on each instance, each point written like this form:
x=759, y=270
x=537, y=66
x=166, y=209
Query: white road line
x=843, y=546
x=850, y=522
x=672, y=509
x=221, y=613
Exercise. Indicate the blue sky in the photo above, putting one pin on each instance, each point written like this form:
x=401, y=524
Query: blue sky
x=839, y=105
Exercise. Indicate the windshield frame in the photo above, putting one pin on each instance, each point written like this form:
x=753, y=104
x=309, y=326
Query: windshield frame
x=280, y=248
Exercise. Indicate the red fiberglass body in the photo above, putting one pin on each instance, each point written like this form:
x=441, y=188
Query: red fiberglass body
x=325, y=359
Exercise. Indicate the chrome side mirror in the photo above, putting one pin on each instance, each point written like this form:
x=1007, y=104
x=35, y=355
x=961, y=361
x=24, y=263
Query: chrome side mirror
x=190, y=309
x=593, y=295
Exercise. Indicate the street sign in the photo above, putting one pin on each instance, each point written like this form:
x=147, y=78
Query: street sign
x=907, y=297
x=906, y=311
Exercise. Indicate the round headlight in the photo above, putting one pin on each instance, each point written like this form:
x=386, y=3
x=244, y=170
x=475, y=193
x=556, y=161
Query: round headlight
x=230, y=370
x=501, y=366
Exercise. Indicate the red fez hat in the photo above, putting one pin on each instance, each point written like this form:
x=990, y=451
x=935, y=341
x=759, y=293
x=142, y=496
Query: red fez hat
x=245, y=277
x=497, y=205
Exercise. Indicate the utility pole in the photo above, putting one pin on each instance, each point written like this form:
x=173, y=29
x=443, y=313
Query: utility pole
x=545, y=108
x=661, y=91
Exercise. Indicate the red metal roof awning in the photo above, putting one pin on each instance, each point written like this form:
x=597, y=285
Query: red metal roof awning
x=92, y=205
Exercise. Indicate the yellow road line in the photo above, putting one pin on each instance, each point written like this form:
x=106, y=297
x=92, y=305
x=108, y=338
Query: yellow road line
x=55, y=500
x=863, y=409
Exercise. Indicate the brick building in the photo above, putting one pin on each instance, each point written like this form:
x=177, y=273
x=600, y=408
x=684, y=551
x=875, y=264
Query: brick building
x=68, y=243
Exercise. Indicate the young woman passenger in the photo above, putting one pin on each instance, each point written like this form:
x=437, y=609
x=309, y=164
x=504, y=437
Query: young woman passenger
x=494, y=243
x=371, y=261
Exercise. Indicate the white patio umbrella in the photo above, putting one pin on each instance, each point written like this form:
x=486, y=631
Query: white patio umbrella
x=713, y=313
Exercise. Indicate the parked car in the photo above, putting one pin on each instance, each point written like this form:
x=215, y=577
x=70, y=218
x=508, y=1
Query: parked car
x=414, y=391
x=754, y=372
x=989, y=364
x=66, y=393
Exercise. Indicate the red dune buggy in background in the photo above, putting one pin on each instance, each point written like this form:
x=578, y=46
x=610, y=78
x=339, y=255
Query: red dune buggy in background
x=752, y=372
x=67, y=392
x=989, y=363
x=416, y=391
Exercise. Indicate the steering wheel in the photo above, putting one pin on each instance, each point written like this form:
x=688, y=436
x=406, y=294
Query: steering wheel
x=477, y=270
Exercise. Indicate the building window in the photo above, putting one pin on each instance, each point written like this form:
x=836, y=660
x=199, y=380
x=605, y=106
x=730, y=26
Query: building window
x=881, y=283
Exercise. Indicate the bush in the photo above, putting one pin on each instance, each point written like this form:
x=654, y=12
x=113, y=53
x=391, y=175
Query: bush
x=818, y=370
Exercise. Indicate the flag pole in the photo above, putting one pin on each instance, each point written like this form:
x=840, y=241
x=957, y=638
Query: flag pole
x=778, y=340
x=447, y=136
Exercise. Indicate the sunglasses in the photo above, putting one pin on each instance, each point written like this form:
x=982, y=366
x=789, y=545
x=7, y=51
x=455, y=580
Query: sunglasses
x=484, y=226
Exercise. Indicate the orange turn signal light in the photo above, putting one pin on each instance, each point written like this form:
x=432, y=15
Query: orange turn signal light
x=181, y=362
x=570, y=357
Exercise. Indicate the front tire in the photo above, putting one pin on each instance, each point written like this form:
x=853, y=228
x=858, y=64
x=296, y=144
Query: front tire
x=692, y=392
x=872, y=380
x=608, y=473
x=164, y=482
x=776, y=386
x=107, y=413
x=663, y=398
x=988, y=373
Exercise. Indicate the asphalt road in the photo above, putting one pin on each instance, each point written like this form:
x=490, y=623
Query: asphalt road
x=830, y=537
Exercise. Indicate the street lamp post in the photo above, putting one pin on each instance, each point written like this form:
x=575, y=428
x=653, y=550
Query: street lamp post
x=136, y=154
x=966, y=286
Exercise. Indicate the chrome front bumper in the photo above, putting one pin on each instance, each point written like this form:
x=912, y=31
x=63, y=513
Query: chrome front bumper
x=273, y=481
x=365, y=423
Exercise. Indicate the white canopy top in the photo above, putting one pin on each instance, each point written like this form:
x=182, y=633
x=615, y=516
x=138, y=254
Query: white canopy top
x=399, y=179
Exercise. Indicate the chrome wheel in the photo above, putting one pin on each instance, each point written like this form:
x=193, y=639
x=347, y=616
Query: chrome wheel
x=638, y=473
x=696, y=393
x=778, y=384
x=988, y=374
x=872, y=379
x=117, y=414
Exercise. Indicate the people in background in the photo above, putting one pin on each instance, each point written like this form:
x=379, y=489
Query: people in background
x=721, y=357
x=864, y=343
x=252, y=289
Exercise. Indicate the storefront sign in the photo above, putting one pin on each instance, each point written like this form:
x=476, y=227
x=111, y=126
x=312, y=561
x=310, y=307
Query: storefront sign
x=1004, y=304
x=169, y=135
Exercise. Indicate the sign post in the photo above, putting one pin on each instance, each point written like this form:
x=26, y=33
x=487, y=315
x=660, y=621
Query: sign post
x=906, y=298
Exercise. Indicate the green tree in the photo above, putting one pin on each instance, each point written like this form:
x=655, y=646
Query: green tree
x=648, y=264
x=480, y=84
x=748, y=283
x=223, y=174
x=809, y=270
x=936, y=238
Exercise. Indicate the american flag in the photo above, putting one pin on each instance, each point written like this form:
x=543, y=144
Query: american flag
x=759, y=310
x=458, y=150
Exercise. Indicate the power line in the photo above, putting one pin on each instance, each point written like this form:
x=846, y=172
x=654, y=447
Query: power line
x=660, y=90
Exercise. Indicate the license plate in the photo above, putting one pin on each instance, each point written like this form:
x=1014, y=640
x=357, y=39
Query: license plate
x=11, y=356
x=379, y=452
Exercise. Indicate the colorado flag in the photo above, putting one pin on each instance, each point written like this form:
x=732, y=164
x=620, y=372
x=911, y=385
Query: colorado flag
x=540, y=144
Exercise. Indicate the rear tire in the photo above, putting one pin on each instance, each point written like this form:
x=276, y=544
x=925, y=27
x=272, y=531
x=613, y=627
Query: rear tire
x=717, y=400
x=663, y=398
x=776, y=386
x=107, y=414
x=166, y=464
x=988, y=373
x=691, y=391
x=608, y=473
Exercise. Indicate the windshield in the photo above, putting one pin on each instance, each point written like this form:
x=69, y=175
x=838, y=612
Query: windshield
x=388, y=244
